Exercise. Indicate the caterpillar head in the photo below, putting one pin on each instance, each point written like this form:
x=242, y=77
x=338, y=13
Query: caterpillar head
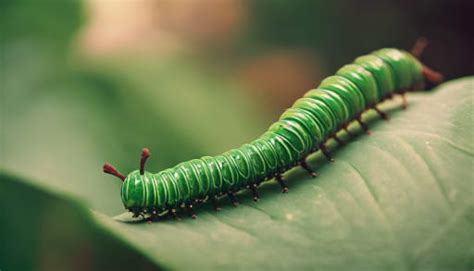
x=132, y=187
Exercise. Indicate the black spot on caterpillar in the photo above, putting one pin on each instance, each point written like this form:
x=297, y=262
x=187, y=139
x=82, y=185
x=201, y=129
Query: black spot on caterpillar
x=301, y=130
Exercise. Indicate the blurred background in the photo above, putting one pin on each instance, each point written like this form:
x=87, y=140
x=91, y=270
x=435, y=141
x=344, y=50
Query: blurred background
x=83, y=82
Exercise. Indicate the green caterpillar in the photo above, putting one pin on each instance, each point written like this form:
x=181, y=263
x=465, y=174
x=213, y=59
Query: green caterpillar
x=301, y=130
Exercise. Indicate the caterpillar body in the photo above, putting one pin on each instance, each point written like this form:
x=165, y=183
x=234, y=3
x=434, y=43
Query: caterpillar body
x=301, y=130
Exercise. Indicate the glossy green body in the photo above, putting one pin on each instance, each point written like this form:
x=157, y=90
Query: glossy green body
x=323, y=111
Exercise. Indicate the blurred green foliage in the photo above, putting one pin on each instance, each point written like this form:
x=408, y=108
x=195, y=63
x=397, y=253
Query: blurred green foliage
x=46, y=22
x=81, y=114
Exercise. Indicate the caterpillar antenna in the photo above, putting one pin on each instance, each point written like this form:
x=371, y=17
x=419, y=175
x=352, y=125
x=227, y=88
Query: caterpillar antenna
x=109, y=169
x=144, y=157
x=417, y=50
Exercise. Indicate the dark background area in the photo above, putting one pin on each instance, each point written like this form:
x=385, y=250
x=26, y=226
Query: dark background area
x=341, y=30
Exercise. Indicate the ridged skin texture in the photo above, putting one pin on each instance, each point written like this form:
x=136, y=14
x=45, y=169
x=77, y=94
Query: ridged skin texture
x=338, y=100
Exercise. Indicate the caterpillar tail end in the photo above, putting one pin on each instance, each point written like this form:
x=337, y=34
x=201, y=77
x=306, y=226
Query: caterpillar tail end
x=429, y=74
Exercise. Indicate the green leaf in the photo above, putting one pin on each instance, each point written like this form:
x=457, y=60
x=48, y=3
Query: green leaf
x=399, y=199
x=41, y=229
x=41, y=20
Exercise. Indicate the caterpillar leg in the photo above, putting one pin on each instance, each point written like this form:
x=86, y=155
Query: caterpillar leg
x=232, y=198
x=148, y=219
x=382, y=114
x=404, y=100
x=135, y=214
x=214, y=203
x=363, y=125
x=305, y=165
x=191, y=212
x=326, y=153
x=173, y=214
x=253, y=188
x=284, y=187
x=152, y=217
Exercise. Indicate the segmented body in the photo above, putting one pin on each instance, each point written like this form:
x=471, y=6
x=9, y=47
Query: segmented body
x=301, y=130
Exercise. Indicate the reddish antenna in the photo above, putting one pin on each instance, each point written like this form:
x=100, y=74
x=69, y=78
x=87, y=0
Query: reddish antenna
x=109, y=169
x=145, y=155
x=419, y=47
x=430, y=75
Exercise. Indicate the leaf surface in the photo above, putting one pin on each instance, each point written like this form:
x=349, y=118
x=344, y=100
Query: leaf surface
x=399, y=199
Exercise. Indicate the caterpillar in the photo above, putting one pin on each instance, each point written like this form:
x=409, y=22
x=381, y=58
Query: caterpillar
x=301, y=130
